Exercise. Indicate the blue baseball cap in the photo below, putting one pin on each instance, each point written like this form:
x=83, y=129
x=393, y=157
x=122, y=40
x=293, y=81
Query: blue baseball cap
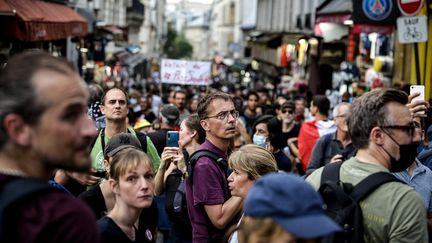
x=290, y=202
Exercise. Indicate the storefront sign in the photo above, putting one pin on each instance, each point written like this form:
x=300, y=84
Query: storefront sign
x=380, y=12
x=185, y=72
x=412, y=29
x=377, y=9
x=410, y=7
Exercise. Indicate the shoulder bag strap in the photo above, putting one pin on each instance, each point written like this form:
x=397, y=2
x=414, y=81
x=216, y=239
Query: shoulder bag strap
x=370, y=183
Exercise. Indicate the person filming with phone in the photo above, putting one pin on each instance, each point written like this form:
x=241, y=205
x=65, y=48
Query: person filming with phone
x=168, y=120
x=171, y=174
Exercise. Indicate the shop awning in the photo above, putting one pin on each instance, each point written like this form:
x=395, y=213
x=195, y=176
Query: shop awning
x=113, y=29
x=41, y=21
x=334, y=11
x=333, y=18
x=335, y=7
x=6, y=9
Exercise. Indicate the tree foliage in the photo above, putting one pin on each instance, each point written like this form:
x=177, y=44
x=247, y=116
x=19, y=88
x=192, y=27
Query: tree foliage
x=177, y=46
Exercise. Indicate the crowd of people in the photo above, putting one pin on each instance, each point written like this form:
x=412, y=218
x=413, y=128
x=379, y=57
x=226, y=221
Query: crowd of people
x=248, y=167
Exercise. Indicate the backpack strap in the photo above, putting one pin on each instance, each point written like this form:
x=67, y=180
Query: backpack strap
x=18, y=190
x=370, y=183
x=143, y=140
x=221, y=162
x=141, y=137
x=331, y=172
x=95, y=138
x=327, y=140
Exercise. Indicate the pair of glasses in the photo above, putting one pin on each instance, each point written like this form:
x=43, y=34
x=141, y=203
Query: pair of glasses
x=408, y=129
x=224, y=114
x=289, y=111
x=342, y=116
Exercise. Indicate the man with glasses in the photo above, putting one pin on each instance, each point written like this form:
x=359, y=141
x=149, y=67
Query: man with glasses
x=382, y=129
x=211, y=207
x=336, y=146
x=419, y=177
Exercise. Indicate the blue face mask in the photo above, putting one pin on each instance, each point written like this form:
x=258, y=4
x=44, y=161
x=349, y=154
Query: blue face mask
x=133, y=101
x=259, y=140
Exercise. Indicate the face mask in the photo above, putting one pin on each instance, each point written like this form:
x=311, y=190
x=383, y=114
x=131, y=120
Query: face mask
x=133, y=101
x=407, y=152
x=259, y=140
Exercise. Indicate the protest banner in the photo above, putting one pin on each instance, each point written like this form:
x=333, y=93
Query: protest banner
x=185, y=72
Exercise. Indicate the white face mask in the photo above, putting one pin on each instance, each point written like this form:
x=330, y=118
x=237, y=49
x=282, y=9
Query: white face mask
x=133, y=101
x=259, y=140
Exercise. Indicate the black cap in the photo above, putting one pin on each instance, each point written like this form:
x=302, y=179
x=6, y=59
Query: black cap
x=170, y=112
x=119, y=142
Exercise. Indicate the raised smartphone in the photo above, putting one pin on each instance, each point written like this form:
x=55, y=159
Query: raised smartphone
x=172, y=139
x=418, y=89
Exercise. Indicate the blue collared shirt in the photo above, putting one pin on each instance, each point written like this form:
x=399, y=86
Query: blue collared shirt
x=421, y=181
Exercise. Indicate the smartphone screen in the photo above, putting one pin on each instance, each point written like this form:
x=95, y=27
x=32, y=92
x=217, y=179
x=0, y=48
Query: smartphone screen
x=172, y=139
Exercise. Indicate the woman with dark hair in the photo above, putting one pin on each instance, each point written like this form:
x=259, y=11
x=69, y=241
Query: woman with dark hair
x=171, y=173
x=267, y=132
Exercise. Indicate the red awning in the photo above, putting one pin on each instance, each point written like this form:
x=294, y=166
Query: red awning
x=41, y=21
x=6, y=9
x=113, y=29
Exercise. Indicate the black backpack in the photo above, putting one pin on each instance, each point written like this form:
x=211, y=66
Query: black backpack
x=221, y=162
x=13, y=193
x=342, y=201
x=175, y=201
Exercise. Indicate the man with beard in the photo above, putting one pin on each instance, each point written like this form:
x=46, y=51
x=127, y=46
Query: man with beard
x=210, y=206
x=44, y=126
x=180, y=103
x=381, y=127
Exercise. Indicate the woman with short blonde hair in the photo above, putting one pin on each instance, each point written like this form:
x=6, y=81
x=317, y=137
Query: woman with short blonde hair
x=254, y=160
x=248, y=164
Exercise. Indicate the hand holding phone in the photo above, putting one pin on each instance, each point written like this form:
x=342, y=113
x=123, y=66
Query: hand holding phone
x=420, y=98
x=172, y=139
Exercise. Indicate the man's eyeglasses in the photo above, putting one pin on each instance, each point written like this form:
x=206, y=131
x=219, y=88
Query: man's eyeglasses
x=224, y=114
x=289, y=111
x=408, y=129
x=341, y=116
